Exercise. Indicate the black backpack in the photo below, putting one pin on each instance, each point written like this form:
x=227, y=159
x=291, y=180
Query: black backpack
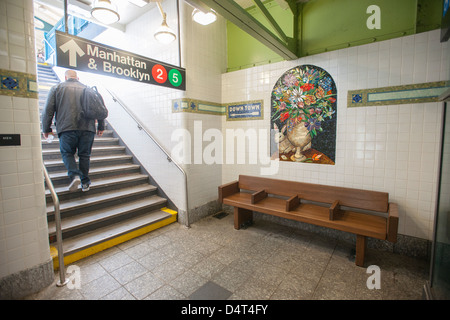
x=92, y=105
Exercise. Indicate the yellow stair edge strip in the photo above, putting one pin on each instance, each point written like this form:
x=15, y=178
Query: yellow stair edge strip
x=172, y=212
x=113, y=242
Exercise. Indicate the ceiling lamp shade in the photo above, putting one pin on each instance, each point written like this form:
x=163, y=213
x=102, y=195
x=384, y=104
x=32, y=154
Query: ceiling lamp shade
x=105, y=11
x=164, y=34
x=204, y=18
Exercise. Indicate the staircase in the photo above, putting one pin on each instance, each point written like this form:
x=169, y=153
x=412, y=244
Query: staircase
x=120, y=205
x=46, y=79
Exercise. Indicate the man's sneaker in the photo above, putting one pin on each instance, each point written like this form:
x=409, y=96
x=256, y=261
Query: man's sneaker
x=85, y=187
x=74, y=184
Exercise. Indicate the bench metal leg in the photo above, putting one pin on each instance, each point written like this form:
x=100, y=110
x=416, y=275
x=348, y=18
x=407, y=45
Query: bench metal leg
x=361, y=242
x=242, y=216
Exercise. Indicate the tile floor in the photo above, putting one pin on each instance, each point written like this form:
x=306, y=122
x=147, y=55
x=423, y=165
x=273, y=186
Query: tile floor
x=211, y=260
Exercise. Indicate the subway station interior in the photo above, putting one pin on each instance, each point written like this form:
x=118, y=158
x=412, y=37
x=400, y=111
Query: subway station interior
x=253, y=150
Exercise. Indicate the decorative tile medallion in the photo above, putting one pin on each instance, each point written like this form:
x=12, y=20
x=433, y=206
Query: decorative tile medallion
x=10, y=83
x=19, y=84
x=357, y=98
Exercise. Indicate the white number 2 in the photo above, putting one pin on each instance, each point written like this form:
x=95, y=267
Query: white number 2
x=160, y=74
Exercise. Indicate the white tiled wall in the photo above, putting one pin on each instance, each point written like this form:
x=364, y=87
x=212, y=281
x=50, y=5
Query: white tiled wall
x=388, y=148
x=23, y=221
x=205, y=57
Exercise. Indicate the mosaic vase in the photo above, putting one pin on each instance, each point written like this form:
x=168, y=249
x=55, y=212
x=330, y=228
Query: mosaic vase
x=298, y=135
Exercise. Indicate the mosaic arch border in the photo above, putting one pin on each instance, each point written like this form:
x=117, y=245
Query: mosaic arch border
x=304, y=116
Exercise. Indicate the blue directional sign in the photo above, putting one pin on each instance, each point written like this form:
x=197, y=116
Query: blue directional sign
x=245, y=111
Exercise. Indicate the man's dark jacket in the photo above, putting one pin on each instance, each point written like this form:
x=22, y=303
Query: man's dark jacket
x=64, y=101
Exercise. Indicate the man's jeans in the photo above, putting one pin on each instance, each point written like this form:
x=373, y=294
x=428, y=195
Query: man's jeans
x=69, y=142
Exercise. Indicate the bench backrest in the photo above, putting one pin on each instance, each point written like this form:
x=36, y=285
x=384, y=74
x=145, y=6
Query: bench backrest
x=355, y=198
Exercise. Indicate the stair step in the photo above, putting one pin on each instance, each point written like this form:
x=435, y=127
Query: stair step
x=104, y=214
x=47, y=79
x=98, y=141
x=54, y=153
x=54, y=150
x=55, y=163
x=100, y=199
x=107, y=134
x=100, y=184
x=126, y=168
x=81, y=246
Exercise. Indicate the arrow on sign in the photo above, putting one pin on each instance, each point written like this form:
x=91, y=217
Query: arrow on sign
x=256, y=113
x=74, y=50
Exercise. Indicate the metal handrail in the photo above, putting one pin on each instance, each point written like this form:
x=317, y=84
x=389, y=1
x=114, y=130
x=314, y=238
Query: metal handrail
x=169, y=158
x=48, y=43
x=62, y=272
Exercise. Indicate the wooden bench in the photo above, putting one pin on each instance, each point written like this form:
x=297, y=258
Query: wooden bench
x=361, y=212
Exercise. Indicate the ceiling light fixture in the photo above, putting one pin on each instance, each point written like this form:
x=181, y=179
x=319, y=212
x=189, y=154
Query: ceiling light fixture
x=204, y=18
x=202, y=14
x=105, y=11
x=164, y=34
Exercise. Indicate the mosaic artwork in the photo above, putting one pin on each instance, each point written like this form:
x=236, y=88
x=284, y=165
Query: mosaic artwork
x=303, y=116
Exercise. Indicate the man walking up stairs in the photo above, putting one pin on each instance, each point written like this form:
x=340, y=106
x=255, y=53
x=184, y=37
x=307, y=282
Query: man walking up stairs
x=76, y=133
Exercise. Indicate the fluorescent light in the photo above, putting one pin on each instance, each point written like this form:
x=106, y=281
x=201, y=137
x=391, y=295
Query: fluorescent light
x=105, y=11
x=139, y=3
x=204, y=18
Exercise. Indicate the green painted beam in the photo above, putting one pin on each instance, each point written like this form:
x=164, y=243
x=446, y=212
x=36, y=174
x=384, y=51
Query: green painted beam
x=292, y=5
x=241, y=18
x=271, y=20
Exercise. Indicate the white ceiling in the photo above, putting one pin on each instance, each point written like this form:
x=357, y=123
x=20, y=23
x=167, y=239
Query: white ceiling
x=51, y=11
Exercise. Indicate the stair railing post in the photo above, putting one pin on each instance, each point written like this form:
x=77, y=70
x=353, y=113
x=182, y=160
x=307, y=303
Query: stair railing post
x=62, y=272
x=186, y=199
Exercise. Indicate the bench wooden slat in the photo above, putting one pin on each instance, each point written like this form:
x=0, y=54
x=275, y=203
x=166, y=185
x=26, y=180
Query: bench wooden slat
x=348, y=221
x=363, y=199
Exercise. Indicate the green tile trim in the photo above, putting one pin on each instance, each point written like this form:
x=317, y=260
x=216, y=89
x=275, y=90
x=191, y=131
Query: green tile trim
x=197, y=106
x=405, y=94
x=208, y=107
x=18, y=84
x=205, y=107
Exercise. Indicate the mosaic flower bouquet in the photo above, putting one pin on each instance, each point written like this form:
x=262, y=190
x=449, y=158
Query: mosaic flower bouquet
x=303, y=95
